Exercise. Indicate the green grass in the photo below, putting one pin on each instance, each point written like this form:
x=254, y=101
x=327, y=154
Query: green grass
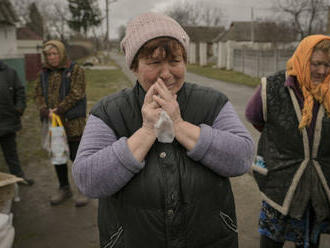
x=224, y=75
x=105, y=59
x=104, y=82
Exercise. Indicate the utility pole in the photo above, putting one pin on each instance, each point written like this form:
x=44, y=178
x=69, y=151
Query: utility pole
x=106, y=38
x=252, y=25
x=107, y=18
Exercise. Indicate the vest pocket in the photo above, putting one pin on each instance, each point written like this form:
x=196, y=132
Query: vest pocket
x=229, y=223
x=114, y=240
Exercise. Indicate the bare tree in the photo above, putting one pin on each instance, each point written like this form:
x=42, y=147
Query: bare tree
x=121, y=32
x=21, y=8
x=307, y=16
x=36, y=21
x=53, y=13
x=201, y=14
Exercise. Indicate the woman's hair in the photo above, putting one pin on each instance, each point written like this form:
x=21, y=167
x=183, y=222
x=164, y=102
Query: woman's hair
x=169, y=47
x=323, y=46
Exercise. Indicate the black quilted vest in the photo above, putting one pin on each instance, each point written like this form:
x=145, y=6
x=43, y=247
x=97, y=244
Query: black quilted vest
x=282, y=145
x=174, y=201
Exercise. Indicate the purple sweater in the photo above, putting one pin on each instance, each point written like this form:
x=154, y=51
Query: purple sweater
x=104, y=164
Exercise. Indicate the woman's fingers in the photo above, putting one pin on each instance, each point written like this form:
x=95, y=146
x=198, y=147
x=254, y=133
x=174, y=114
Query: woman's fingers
x=162, y=89
x=159, y=100
x=150, y=93
x=154, y=104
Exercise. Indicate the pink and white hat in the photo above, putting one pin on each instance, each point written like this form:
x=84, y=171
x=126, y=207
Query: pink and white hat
x=148, y=26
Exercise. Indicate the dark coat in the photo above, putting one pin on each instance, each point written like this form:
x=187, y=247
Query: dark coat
x=12, y=100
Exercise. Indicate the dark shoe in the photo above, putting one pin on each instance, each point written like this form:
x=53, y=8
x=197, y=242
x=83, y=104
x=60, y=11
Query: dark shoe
x=61, y=195
x=80, y=200
x=26, y=182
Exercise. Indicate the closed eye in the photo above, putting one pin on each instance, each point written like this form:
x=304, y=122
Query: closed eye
x=153, y=62
x=317, y=64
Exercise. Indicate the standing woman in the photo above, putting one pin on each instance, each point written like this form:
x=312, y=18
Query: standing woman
x=154, y=194
x=61, y=90
x=292, y=112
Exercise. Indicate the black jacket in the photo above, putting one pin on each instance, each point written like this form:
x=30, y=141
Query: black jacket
x=174, y=201
x=12, y=100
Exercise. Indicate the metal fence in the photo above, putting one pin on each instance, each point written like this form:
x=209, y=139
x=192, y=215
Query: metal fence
x=259, y=63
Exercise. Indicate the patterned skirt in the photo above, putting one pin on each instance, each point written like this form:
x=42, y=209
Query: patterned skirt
x=280, y=228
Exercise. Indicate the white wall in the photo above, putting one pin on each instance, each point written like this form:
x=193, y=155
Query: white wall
x=8, y=44
x=29, y=46
x=222, y=55
x=202, y=53
x=192, y=53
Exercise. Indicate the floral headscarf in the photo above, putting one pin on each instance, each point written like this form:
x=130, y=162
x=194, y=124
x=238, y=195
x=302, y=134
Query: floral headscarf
x=61, y=50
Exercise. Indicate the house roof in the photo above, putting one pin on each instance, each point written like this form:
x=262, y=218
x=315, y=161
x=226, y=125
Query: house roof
x=26, y=33
x=202, y=33
x=7, y=13
x=263, y=32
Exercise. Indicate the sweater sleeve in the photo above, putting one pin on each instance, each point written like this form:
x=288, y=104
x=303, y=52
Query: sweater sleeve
x=226, y=147
x=103, y=164
x=254, y=110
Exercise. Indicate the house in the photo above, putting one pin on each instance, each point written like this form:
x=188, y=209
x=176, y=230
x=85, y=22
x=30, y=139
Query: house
x=29, y=44
x=8, y=40
x=252, y=35
x=28, y=41
x=202, y=47
x=8, y=19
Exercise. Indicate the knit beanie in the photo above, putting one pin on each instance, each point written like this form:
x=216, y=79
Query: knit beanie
x=148, y=26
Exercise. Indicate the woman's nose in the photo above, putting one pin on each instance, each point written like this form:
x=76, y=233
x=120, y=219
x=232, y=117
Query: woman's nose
x=323, y=69
x=165, y=71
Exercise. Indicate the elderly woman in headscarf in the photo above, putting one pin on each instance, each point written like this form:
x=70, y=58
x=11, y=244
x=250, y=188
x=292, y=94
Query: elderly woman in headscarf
x=60, y=89
x=292, y=111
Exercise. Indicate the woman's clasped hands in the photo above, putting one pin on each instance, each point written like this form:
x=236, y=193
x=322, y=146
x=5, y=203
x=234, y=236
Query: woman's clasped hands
x=159, y=98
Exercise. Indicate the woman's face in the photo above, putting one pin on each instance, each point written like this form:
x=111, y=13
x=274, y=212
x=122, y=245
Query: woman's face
x=170, y=70
x=320, y=64
x=53, y=57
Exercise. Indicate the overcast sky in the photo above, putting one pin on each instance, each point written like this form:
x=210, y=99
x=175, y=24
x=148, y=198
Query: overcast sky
x=234, y=10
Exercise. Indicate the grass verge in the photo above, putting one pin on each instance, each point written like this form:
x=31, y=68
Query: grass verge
x=224, y=75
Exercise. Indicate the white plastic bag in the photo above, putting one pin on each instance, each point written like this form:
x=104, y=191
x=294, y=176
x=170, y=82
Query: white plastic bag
x=45, y=140
x=164, y=128
x=7, y=231
x=59, y=149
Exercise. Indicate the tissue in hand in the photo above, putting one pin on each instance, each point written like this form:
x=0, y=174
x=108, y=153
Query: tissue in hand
x=164, y=128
